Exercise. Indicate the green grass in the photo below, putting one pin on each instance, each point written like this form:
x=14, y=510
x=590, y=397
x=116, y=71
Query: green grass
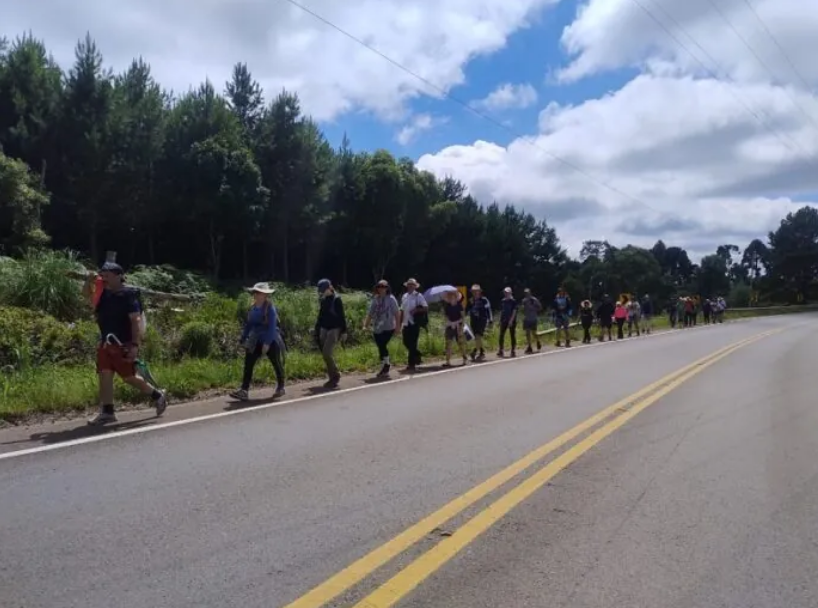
x=54, y=388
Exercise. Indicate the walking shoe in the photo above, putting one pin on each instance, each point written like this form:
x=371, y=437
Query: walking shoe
x=513, y=353
x=481, y=356
x=384, y=372
x=473, y=354
x=280, y=392
x=161, y=403
x=240, y=395
x=333, y=382
x=539, y=346
x=529, y=351
x=500, y=353
x=102, y=418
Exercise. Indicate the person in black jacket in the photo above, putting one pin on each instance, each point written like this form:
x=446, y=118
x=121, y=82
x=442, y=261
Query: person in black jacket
x=330, y=327
x=647, y=314
x=586, y=319
x=604, y=314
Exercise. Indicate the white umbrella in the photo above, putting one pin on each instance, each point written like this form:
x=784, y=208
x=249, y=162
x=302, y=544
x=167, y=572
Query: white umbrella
x=435, y=294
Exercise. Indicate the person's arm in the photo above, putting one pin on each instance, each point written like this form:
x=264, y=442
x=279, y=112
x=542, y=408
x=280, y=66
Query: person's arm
x=87, y=292
x=339, y=310
x=135, y=316
x=513, y=317
x=368, y=317
x=271, y=333
x=397, y=314
x=489, y=313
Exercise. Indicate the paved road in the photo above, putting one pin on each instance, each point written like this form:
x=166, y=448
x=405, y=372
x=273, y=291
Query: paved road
x=706, y=498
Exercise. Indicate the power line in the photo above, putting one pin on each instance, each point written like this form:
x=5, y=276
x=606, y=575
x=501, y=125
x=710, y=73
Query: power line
x=761, y=61
x=775, y=41
x=479, y=113
x=710, y=72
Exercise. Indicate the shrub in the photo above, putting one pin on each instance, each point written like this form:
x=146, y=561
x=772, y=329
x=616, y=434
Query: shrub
x=168, y=279
x=29, y=338
x=42, y=280
x=196, y=340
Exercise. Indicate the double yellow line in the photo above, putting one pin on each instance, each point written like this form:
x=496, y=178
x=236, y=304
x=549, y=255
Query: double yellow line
x=407, y=579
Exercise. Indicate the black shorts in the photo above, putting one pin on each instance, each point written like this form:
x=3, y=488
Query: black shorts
x=606, y=322
x=478, y=327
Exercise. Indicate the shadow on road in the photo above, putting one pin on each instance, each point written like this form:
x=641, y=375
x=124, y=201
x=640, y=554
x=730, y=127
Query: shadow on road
x=81, y=431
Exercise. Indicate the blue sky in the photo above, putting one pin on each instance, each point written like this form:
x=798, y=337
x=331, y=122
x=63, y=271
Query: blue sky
x=528, y=57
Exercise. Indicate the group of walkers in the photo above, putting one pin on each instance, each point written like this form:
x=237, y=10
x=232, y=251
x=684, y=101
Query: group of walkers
x=121, y=321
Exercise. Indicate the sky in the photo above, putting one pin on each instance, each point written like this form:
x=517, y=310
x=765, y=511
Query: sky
x=693, y=121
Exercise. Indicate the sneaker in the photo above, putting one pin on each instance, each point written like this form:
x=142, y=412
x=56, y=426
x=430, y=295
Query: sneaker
x=474, y=354
x=102, y=418
x=539, y=346
x=161, y=403
x=384, y=372
x=280, y=392
x=500, y=353
x=513, y=353
x=529, y=351
x=333, y=382
x=240, y=395
x=481, y=356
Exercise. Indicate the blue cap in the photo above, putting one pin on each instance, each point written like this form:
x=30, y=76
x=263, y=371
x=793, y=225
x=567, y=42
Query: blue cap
x=112, y=267
x=323, y=285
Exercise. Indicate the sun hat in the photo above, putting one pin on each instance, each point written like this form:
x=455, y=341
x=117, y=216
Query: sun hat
x=411, y=283
x=476, y=287
x=382, y=283
x=261, y=288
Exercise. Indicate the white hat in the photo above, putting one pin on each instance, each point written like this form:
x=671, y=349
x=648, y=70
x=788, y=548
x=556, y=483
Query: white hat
x=507, y=290
x=411, y=282
x=261, y=288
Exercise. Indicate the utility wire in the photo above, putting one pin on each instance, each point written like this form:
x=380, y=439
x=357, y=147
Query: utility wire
x=479, y=113
x=760, y=61
x=710, y=72
x=775, y=41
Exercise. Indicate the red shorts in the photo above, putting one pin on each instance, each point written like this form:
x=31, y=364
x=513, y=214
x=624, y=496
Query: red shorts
x=113, y=358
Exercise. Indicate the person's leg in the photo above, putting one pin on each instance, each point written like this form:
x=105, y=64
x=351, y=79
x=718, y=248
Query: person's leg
x=417, y=356
x=382, y=342
x=449, y=337
x=502, y=339
x=586, y=334
x=329, y=338
x=620, y=329
x=512, y=332
x=275, y=356
x=250, y=358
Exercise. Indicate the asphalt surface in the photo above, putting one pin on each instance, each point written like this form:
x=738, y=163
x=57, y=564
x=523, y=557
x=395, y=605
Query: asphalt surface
x=708, y=498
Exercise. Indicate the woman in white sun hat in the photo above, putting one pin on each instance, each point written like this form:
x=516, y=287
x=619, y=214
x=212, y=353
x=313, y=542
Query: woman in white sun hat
x=261, y=337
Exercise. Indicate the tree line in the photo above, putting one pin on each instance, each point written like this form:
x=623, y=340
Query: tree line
x=228, y=183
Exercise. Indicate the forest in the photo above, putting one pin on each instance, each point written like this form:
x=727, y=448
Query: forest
x=222, y=181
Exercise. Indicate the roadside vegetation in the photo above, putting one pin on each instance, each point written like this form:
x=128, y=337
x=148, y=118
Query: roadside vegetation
x=48, y=336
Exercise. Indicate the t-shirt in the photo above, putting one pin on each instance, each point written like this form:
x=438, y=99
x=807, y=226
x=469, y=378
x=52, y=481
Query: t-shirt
x=508, y=306
x=453, y=312
x=383, y=310
x=531, y=308
x=480, y=311
x=409, y=302
x=562, y=306
x=113, y=313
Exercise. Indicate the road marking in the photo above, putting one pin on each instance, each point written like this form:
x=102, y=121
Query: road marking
x=366, y=565
x=424, y=566
x=265, y=406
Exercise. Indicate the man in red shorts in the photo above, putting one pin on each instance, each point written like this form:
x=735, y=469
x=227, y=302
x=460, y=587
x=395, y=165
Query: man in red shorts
x=119, y=316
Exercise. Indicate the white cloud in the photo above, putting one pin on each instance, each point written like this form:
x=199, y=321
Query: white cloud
x=709, y=161
x=285, y=47
x=417, y=125
x=508, y=97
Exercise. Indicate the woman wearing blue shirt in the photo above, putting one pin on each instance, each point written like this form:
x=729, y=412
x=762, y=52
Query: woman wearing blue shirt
x=261, y=337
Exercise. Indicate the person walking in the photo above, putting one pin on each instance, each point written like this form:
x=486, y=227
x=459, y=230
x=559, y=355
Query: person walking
x=480, y=318
x=562, y=315
x=384, y=317
x=118, y=312
x=330, y=328
x=673, y=313
x=261, y=337
x=647, y=314
x=707, y=310
x=620, y=316
x=453, y=330
x=604, y=315
x=508, y=322
x=634, y=317
x=531, y=310
x=586, y=319
x=414, y=315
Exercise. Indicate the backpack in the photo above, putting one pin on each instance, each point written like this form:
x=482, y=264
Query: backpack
x=266, y=318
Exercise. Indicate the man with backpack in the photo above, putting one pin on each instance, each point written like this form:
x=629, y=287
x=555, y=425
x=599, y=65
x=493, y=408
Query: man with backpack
x=414, y=314
x=120, y=318
x=562, y=315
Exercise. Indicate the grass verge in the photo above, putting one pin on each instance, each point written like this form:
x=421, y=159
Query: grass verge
x=56, y=389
